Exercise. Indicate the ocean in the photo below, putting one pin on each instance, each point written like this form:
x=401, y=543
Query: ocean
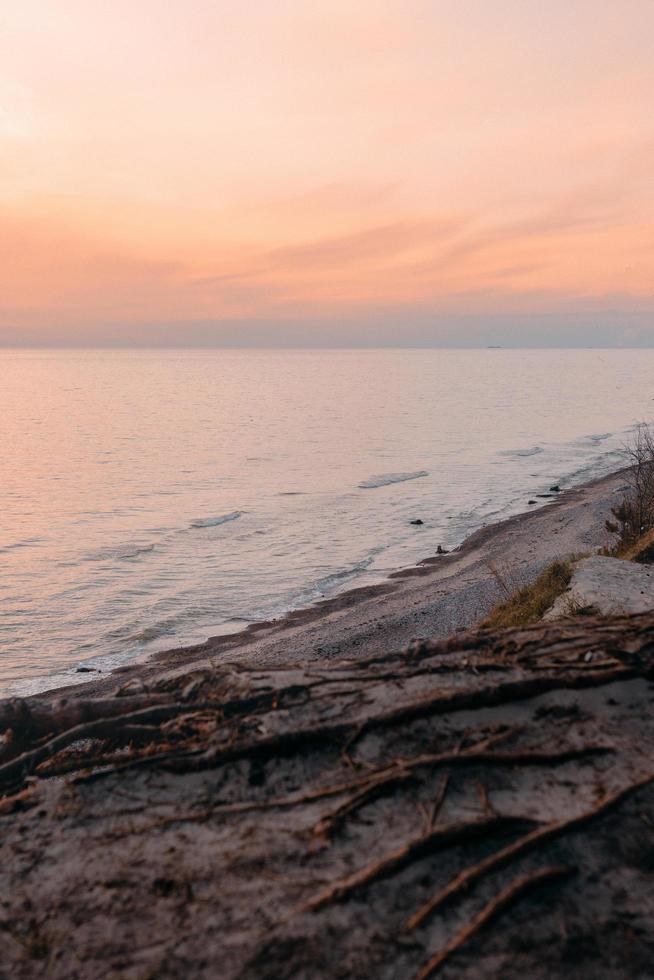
x=151, y=499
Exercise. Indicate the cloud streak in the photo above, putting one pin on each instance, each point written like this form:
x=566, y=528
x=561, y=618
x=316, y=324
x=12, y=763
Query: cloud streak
x=321, y=162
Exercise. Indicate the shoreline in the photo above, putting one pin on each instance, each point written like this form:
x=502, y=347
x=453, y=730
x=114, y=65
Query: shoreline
x=440, y=595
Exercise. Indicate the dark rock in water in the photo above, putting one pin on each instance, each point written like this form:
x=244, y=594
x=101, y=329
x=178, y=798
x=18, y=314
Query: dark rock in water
x=442, y=551
x=85, y=670
x=417, y=521
x=555, y=489
x=531, y=501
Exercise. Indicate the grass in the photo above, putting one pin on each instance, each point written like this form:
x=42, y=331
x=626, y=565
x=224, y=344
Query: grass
x=528, y=603
x=641, y=550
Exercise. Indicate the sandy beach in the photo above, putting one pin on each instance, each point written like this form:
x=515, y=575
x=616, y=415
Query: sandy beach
x=442, y=595
x=324, y=796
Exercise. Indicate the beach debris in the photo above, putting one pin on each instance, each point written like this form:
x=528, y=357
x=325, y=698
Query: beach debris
x=555, y=489
x=441, y=550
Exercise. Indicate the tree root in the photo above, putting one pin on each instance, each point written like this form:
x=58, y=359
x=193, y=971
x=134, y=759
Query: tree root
x=24, y=764
x=286, y=743
x=439, y=800
x=444, y=836
x=377, y=784
x=365, y=789
x=487, y=697
x=36, y=719
x=372, y=790
x=105, y=718
x=463, y=881
x=513, y=891
x=301, y=739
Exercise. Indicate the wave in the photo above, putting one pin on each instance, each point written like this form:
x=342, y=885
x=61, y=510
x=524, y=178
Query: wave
x=120, y=552
x=215, y=521
x=329, y=581
x=154, y=632
x=532, y=451
x=385, y=479
x=25, y=543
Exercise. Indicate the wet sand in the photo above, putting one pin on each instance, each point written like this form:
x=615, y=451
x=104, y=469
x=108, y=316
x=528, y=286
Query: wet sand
x=434, y=599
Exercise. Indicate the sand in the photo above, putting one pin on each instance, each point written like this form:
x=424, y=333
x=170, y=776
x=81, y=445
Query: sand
x=442, y=595
x=298, y=821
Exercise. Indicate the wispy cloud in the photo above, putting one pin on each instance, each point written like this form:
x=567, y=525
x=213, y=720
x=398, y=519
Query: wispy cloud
x=322, y=160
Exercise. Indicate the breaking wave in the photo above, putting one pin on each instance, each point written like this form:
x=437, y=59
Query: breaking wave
x=215, y=521
x=120, y=552
x=532, y=451
x=385, y=479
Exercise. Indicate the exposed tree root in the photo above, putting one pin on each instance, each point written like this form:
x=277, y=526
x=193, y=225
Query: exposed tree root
x=24, y=764
x=495, y=695
x=380, y=783
x=463, y=881
x=513, y=891
x=370, y=792
x=366, y=789
x=439, y=800
x=434, y=839
x=36, y=719
x=26, y=722
x=333, y=734
x=219, y=779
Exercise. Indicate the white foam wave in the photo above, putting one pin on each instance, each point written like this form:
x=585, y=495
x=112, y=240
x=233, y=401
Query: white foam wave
x=215, y=521
x=385, y=479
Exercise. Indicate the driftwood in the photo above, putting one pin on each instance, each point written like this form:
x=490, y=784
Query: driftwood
x=358, y=820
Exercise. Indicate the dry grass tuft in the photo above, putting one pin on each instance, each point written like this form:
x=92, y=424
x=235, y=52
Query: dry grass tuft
x=633, y=517
x=641, y=550
x=528, y=603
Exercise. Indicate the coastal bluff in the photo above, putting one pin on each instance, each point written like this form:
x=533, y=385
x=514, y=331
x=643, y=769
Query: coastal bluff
x=478, y=806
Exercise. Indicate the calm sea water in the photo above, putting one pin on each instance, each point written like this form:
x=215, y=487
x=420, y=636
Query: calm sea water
x=154, y=498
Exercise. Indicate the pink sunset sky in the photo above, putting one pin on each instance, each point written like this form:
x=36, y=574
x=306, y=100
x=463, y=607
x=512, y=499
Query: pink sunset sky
x=178, y=171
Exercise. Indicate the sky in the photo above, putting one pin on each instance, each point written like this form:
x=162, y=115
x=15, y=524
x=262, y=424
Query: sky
x=310, y=172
